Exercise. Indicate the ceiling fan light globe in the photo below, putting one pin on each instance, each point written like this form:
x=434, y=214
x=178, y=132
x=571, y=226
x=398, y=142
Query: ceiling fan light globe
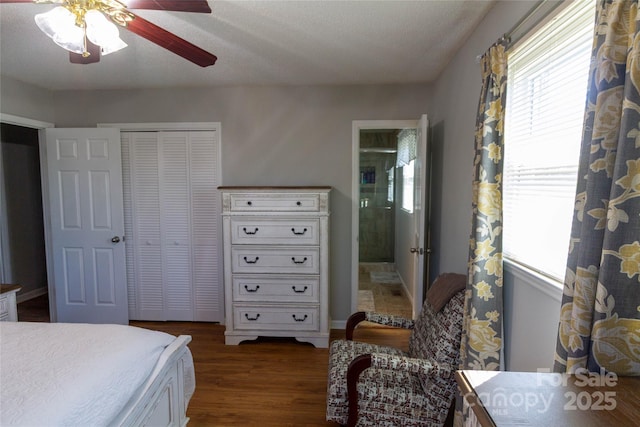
x=59, y=25
x=103, y=32
x=113, y=46
x=54, y=21
x=72, y=40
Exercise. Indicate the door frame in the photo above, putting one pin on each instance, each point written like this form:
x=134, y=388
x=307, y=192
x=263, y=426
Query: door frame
x=4, y=250
x=356, y=127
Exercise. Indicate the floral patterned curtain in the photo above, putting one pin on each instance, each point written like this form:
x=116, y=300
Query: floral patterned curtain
x=482, y=328
x=600, y=315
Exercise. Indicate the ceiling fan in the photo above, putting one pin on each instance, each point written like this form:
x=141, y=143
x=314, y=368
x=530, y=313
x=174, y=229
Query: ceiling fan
x=87, y=28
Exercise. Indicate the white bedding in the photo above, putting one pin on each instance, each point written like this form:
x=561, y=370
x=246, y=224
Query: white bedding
x=72, y=374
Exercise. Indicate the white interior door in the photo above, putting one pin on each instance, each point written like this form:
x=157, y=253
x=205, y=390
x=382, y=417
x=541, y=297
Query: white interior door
x=420, y=206
x=87, y=230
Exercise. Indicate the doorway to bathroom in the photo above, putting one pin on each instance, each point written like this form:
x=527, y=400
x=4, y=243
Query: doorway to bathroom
x=391, y=204
x=380, y=288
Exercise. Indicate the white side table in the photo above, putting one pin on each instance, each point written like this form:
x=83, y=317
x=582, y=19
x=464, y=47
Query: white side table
x=8, y=303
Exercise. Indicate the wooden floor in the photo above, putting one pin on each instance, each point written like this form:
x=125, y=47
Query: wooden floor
x=269, y=382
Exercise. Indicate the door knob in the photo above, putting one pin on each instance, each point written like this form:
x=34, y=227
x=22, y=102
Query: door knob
x=115, y=239
x=419, y=251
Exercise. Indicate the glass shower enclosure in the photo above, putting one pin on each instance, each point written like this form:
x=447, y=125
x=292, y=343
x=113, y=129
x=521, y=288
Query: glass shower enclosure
x=377, y=195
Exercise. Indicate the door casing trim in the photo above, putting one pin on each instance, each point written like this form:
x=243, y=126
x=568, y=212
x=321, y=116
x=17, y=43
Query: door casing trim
x=356, y=127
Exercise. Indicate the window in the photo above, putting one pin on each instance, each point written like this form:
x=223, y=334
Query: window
x=407, y=186
x=546, y=94
x=390, y=185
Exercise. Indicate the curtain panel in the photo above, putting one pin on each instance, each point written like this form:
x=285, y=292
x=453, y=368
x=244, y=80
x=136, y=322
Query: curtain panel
x=481, y=345
x=482, y=330
x=600, y=314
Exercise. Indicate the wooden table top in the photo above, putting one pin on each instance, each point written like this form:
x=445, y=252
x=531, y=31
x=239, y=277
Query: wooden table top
x=550, y=399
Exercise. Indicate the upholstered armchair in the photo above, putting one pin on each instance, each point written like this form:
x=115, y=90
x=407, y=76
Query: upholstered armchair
x=373, y=385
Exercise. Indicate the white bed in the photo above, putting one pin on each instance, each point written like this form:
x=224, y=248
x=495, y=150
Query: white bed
x=93, y=375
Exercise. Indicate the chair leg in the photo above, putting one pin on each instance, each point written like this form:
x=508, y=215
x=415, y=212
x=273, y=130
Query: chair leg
x=451, y=415
x=356, y=367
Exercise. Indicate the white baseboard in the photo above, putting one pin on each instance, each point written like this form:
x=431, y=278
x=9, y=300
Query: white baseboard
x=32, y=294
x=338, y=324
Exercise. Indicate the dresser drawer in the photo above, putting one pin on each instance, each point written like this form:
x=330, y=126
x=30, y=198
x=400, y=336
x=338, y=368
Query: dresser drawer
x=276, y=318
x=249, y=231
x=265, y=259
x=4, y=307
x=272, y=202
x=276, y=289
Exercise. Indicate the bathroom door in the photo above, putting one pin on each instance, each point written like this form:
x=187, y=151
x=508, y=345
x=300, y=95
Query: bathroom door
x=420, y=212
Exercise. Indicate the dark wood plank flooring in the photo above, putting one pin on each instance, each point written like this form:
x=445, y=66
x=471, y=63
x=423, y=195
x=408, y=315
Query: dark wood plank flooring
x=268, y=382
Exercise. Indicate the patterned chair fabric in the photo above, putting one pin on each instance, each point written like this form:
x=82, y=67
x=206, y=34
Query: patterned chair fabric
x=401, y=389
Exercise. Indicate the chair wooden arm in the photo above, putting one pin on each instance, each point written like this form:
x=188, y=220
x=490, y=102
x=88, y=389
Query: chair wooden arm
x=352, y=322
x=356, y=367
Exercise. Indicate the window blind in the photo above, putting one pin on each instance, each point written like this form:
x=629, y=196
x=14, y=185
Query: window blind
x=546, y=94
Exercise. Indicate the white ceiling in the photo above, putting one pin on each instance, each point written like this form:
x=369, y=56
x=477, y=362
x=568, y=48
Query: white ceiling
x=265, y=42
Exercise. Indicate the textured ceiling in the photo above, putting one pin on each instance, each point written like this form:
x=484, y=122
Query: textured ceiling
x=257, y=43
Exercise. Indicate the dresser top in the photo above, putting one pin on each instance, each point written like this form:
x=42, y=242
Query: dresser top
x=9, y=288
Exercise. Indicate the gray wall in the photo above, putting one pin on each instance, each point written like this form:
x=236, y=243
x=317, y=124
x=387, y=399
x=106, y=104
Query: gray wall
x=270, y=136
x=531, y=315
x=26, y=101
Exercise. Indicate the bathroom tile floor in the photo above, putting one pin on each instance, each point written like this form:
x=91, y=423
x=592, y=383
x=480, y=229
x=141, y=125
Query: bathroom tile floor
x=385, y=297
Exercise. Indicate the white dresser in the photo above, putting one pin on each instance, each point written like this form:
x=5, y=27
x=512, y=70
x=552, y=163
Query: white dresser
x=8, y=303
x=276, y=263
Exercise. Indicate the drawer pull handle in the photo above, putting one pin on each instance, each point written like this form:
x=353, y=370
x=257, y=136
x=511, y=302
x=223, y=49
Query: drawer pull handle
x=252, y=290
x=298, y=233
x=251, y=233
x=249, y=203
x=252, y=319
x=298, y=203
x=251, y=261
x=298, y=262
x=297, y=291
x=300, y=320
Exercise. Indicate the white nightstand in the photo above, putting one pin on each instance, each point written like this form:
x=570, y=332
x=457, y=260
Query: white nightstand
x=8, y=304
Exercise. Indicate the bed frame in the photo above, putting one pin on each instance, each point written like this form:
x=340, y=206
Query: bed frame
x=162, y=400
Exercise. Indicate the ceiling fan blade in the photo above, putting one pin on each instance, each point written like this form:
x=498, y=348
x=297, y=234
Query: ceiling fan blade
x=198, y=6
x=171, y=42
x=94, y=55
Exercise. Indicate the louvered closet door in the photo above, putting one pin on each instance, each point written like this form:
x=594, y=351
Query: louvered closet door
x=208, y=303
x=141, y=181
x=171, y=211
